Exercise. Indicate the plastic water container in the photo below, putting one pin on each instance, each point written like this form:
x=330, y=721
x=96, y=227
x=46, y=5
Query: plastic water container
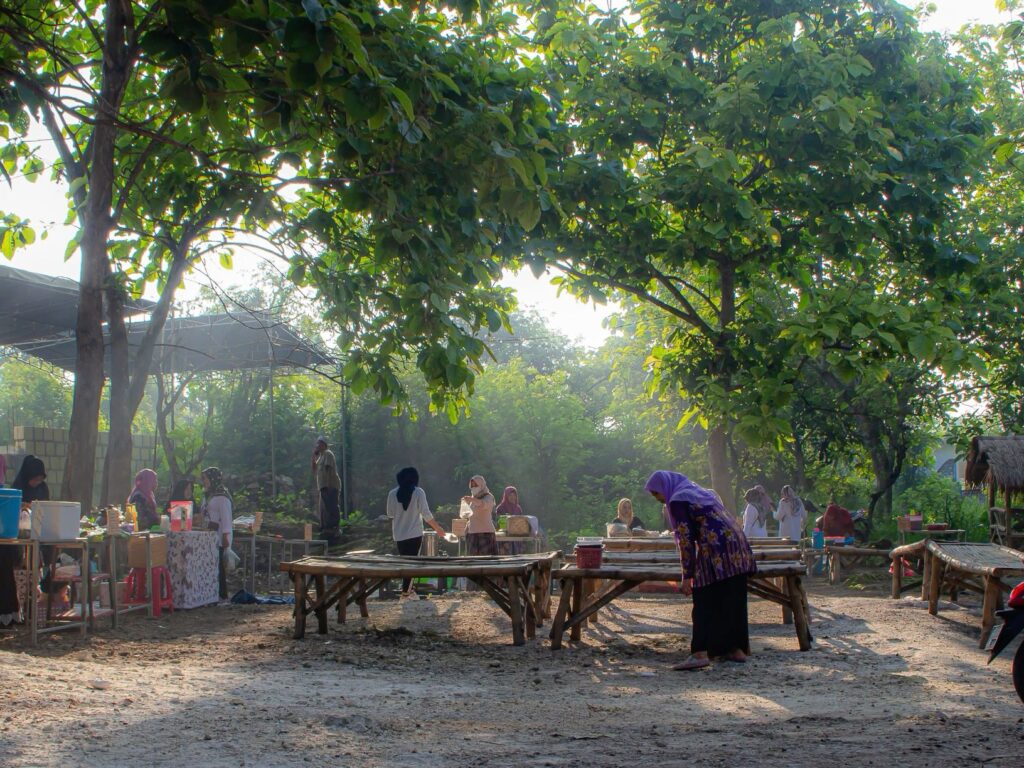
x=589, y=550
x=56, y=520
x=818, y=539
x=10, y=512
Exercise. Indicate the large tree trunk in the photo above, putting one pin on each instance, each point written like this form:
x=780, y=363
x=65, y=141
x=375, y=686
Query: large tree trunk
x=718, y=459
x=126, y=391
x=96, y=227
x=117, y=464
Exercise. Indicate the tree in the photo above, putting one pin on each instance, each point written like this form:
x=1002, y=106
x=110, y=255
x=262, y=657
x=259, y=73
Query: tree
x=349, y=131
x=716, y=148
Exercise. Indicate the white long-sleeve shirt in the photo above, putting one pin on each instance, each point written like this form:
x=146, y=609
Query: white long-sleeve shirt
x=791, y=515
x=218, y=510
x=408, y=523
x=751, y=528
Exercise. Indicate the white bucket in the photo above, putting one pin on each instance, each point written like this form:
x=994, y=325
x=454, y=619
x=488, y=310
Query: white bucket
x=56, y=520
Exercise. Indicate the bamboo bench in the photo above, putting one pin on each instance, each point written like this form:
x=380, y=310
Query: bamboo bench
x=576, y=607
x=988, y=569
x=837, y=553
x=518, y=584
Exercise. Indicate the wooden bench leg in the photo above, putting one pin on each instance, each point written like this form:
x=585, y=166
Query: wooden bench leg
x=363, y=610
x=299, y=579
x=897, y=578
x=529, y=614
x=934, y=584
x=926, y=574
x=835, y=567
x=787, y=613
x=558, y=623
x=516, y=611
x=577, y=605
x=590, y=588
x=795, y=589
x=990, y=604
x=321, y=612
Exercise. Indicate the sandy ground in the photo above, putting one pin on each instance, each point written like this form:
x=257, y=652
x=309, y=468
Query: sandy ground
x=438, y=683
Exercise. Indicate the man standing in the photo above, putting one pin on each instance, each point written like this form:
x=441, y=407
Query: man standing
x=327, y=480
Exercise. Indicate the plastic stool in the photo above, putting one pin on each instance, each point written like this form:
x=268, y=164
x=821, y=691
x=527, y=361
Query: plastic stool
x=163, y=596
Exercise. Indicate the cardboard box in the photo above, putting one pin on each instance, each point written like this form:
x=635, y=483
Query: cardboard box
x=137, y=550
x=459, y=527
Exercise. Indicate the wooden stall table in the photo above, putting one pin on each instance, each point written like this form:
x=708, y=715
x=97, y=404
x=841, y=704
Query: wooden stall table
x=518, y=584
x=836, y=553
x=575, y=608
x=954, y=534
x=659, y=543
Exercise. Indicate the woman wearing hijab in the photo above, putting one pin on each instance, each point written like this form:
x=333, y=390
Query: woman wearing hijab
x=791, y=515
x=509, y=506
x=31, y=481
x=755, y=518
x=716, y=560
x=480, y=533
x=143, y=497
x=217, y=510
x=408, y=509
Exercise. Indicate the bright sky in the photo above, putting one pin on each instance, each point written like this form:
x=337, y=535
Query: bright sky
x=44, y=203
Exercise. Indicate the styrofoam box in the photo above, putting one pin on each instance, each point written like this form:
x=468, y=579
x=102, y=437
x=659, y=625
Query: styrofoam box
x=56, y=520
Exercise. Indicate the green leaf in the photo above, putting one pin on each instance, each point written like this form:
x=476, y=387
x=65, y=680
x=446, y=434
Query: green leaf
x=922, y=347
x=226, y=260
x=403, y=99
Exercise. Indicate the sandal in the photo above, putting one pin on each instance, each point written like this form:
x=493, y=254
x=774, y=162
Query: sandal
x=691, y=663
x=736, y=659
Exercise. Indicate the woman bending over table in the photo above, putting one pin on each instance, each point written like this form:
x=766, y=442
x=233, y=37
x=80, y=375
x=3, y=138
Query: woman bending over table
x=716, y=560
x=408, y=509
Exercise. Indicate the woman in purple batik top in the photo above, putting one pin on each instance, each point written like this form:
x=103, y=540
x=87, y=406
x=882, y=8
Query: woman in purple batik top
x=716, y=560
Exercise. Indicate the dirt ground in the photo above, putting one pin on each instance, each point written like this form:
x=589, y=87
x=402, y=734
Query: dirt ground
x=438, y=683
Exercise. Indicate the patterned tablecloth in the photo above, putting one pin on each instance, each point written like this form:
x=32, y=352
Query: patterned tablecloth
x=192, y=562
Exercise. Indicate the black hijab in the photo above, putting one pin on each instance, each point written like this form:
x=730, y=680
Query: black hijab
x=31, y=467
x=408, y=479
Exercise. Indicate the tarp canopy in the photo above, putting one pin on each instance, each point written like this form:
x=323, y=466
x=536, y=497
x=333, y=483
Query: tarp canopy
x=36, y=307
x=203, y=343
x=38, y=315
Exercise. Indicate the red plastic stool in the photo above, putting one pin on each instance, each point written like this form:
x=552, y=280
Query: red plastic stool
x=163, y=596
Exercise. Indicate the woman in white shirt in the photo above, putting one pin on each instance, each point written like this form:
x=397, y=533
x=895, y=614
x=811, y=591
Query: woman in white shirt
x=218, y=513
x=791, y=515
x=755, y=521
x=408, y=509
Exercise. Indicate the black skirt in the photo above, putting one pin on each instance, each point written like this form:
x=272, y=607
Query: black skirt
x=720, y=617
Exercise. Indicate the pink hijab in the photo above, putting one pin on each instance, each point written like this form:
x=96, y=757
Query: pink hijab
x=507, y=507
x=145, y=483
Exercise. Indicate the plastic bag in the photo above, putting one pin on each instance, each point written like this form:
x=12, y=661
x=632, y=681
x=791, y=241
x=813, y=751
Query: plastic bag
x=231, y=560
x=465, y=511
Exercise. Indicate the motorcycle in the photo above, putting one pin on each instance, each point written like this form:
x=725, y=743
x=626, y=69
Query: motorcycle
x=1013, y=625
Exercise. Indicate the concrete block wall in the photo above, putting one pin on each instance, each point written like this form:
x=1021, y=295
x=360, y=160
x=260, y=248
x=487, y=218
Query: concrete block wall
x=50, y=445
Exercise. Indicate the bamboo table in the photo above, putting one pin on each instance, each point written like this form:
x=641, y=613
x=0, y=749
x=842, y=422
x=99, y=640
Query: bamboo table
x=988, y=569
x=518, y=584
x=574, y=609
x=662, y=543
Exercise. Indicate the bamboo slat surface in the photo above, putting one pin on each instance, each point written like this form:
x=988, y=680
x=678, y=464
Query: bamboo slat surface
x=858, y=551
x=393, y=566
x=909, y=550
x=979, y=558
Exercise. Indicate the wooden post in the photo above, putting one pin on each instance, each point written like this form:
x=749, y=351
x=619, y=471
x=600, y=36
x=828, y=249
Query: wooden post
x=590, y=588
x=558, y=623
x=529, y=615
x=795, y=591
x=577, y=605
x=988, y=608
x=934, y=585
x=926, y=573
x=897, y=577
x=515, y=610
x=835, y=562
x=321, y=612
x=782, y=583
x=299, y=579
x=363, y=610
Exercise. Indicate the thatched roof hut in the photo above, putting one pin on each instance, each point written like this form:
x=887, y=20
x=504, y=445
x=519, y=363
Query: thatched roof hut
x=997, y=462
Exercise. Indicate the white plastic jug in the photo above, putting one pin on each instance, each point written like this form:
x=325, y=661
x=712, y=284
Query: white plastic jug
x=56, y=520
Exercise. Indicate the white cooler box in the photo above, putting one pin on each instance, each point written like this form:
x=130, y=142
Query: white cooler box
x=56, y=520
